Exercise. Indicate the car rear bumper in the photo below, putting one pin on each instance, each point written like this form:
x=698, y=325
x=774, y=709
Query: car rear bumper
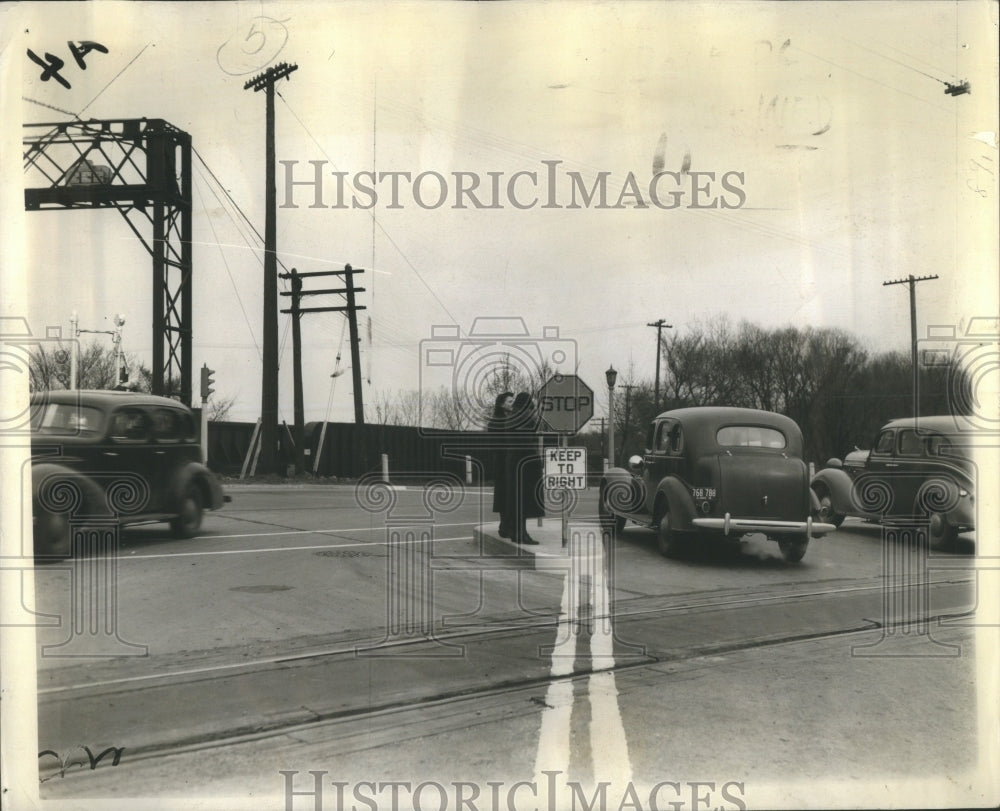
x=739, y=526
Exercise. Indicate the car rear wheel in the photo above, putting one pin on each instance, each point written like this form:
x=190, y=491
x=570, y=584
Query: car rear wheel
x=942, y=533
x=188, y=520
x=51, y=535
x=825, y=514
x=667, y=539
x=793, y=549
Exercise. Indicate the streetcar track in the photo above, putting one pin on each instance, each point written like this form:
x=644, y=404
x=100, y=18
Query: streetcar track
x=313, y=719
x=331, y=533
x=228, y=669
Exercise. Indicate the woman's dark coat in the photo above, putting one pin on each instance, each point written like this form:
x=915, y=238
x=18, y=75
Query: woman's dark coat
x=524, y=464
x=499, y=467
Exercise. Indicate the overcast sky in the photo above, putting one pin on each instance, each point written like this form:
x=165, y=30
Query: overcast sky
x=838, y=162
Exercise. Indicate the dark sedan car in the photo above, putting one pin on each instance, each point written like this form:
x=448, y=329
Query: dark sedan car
x=917, y=468
x=726, y=472
x=104, y=454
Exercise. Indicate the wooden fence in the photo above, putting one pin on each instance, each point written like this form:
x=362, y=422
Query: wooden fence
x=350, y=451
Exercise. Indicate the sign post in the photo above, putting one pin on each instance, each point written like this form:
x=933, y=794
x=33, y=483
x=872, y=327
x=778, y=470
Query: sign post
x=566, y=404
x=565, y=469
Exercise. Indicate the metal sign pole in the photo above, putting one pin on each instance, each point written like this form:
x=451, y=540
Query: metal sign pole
x=563, y=442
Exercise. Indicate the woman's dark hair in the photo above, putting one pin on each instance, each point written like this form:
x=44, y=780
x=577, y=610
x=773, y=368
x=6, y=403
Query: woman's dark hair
x=498, y=404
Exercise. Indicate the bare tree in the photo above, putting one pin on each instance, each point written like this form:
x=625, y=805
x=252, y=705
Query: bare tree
x=219, y=408
x=51, y=369
x=401, y=408
x=451, y=410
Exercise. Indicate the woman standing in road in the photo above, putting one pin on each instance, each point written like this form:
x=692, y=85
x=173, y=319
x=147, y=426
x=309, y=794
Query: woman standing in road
x=499, y=423
x=525, y=467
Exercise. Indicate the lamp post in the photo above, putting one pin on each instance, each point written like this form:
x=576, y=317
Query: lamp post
x=117, y=338
x=74, y=333
x=611, y=376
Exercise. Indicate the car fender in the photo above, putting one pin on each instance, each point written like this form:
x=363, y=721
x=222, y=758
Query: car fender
x=679, y=502
x=840, y=486
x=198, y=474
x=623, y=491
x=59, y=489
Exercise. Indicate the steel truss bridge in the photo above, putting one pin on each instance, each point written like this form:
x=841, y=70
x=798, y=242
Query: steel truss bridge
x=142, y=168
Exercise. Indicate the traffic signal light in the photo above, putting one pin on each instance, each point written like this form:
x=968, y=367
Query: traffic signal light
x=207, y=381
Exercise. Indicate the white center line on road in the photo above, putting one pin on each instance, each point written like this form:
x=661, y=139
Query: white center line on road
x=585, y=585
x=554, y=734
x=608, y=742
x=377, y=542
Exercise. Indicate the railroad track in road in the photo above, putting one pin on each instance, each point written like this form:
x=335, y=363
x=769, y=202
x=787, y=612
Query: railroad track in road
x=290, y=689
x=624, y=611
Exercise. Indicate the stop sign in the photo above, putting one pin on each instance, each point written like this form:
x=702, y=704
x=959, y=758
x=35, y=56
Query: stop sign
x=566, y=403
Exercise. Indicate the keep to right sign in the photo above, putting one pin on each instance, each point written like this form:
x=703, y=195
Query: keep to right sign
x=565, y=468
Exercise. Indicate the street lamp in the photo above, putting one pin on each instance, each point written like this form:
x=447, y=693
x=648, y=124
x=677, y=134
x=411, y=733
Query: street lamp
x=119, y=320
x=611, y=376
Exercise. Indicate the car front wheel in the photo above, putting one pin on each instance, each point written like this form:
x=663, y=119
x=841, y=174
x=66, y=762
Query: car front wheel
x=51, y=535
x=825, y=514
x=188, y=520
x=608, y=519
x=942, y=533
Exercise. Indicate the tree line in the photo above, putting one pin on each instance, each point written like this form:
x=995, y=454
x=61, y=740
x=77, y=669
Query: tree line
x=836, y=390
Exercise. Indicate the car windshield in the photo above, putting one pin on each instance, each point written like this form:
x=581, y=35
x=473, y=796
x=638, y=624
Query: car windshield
x=66, y=419
x=750, y=436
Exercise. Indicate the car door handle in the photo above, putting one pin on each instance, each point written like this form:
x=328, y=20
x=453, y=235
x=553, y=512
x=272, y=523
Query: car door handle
x=110, y=453
x=160, y=453
x=892, y=464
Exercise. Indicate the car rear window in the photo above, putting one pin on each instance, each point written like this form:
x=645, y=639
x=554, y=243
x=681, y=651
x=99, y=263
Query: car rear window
x=66, y=419
x=750, y=436
x=129, y=424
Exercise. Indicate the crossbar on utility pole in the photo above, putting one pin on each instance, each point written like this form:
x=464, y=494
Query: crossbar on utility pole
x=269, y=378
x=911, y=280
x=351, y=309
x=660, y=325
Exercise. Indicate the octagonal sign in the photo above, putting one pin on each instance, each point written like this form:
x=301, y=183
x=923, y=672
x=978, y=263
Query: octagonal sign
x=566, y=403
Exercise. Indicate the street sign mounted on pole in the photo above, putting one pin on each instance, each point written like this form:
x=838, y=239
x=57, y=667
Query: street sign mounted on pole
x=565, y=469
x=566, y=403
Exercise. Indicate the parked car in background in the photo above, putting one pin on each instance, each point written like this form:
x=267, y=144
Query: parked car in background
x=716, y=472
x=115, y=455
x=917, y=468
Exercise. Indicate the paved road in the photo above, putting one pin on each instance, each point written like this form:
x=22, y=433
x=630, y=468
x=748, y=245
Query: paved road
x=253, y=633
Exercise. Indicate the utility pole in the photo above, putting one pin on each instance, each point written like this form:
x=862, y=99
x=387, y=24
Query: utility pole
x=359, y=411
x=660, y=325
x=911, y=280
x=296, y=310
x=269, y=380
x=299, y=408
